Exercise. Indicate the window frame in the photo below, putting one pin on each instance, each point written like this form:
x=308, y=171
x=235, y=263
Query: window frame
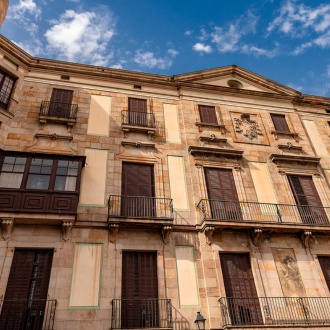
x=55, y=158
x=280, y=123
x=213, y=120
x=4, y=105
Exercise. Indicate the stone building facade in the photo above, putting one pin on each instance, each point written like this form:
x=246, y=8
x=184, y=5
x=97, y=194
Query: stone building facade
x=3, y=10
x=133, y=200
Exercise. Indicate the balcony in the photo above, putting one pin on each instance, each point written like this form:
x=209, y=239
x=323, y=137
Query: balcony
x=150, y=211
x=141, y=314
x=141, y=122
x=58, y=112
x=275, y=311
x=35, y=314
x=273, y=217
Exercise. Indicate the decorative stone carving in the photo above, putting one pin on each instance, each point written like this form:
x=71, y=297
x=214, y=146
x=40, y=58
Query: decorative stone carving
x=256, y=236
x=208, y=231
x=113, y=232
x=66, y=230
x=307, y=239
x=7, y=227
x=247, y=126
x=166, y=233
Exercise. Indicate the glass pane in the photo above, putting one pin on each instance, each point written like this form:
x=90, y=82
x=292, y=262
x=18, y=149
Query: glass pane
x=73, y=171
x=10, y=180
x=35, y=169
x=20, y=160
x=65, y=183
x=63, y=163
x=9, y=160
x=19, y=168
x=73, y=164
x=38, y=181
x=7, y=168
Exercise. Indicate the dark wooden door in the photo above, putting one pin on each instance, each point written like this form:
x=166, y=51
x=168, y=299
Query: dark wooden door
x=60, y=103
x=309, y=203
x=137, y=112
x=26, y=293
x=241, y=293
x=325, y=265
x=138, y=191
x=222, y=194
x=139, y=290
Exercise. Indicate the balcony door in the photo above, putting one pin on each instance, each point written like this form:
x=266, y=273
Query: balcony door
x=137, y=112
x=139, y=291
x=222, y=194
x=309, y=203
x=25, y=299
x=241, y=293
x=60, y=103
x=138, y=191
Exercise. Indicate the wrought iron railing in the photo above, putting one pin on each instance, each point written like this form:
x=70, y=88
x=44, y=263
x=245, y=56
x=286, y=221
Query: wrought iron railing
x=275, y=310
x=141, y=313
x=35, y=314
x=136, y=118
x=140, y=207
x=4, y=99
x=264, y=212
x=58, y=110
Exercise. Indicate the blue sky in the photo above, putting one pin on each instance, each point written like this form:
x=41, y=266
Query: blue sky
x=284, y=40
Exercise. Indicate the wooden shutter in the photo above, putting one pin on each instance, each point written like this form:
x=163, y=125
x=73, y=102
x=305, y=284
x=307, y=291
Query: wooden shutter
x=222, y=193
x=28, y=280
x=60, y=103
x=207, y=114
x=137, y=112
x=280, y=123
x=139, y=290
x=138, y=190
x=306, y=196
x=325, y=266
x=239, y=283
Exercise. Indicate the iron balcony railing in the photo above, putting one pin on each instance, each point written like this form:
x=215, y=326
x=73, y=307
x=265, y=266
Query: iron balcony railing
x=35, y=314
x=4, y=99
x=141, y=313
x=140, y=207
x=264, y=212
x=136, y=118
x=275, y=311
x=58, y=110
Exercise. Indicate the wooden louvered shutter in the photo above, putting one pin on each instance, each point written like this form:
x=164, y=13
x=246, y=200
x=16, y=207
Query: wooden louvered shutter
x=239, y=283
x=28, y=287
x=222, y=193
x=280, y=123
x=325, y=266
x=207, y=114
x=139, y=290
x=306, y=196
x=137, y=109
x=60, y=103
x=138, y=190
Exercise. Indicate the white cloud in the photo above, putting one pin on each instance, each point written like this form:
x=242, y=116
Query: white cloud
x=252, y=50
x=328, y=72
x=227, y=39
x=82, y=36
x=173, y=53
x=148, y=59
x=24, y=7
x=203, y=36
x=296, y=87
x=201, y=48
x=188, y=33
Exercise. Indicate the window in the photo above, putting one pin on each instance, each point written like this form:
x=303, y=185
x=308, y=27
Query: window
x=6, y=87
x=325, y=266
x=309, y=203
x=280, y=123
x=60, y=103
x=207, y=114
x=40, y=172
x=222, y=194
x=137, y=112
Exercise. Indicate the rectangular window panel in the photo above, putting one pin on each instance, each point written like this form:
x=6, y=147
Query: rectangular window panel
x=280, y=123
x=325, y=266
x=66, y=175
x=12, y=172
x=207, y=114
x=39, y=174
x=6, y=87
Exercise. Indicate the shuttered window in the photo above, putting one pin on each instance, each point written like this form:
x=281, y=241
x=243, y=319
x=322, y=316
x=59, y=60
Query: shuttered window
x=239, y=283
x=139, y=290
x=60, y=103
x=280, y=123
x=222, y=194
x=28, y=280
x=6, y=87
x=137, y=112
x=207, y=114
x=306, y=196
x=138, y=190
x=325, y=266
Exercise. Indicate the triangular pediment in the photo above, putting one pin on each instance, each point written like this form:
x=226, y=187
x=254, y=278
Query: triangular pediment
x=235, y=77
